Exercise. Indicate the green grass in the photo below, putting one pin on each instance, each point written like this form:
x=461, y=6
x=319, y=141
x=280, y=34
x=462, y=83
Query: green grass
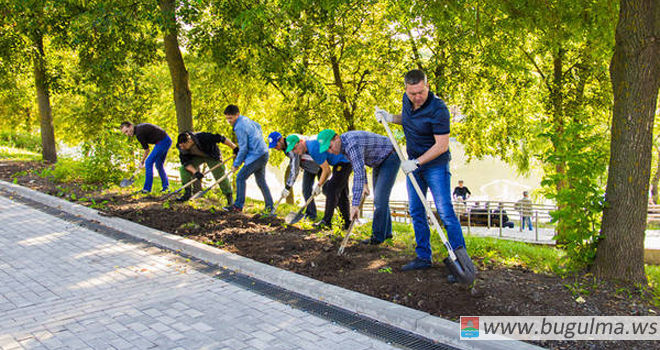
x=653, y=275
x=18, y=154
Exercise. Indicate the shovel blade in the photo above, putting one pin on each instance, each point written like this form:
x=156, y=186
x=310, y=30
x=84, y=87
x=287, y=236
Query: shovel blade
x=462, y=268
x=126, y=182
x=292, y=218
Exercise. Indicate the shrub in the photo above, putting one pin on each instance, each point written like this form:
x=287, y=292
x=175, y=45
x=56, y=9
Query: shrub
x=30, y=142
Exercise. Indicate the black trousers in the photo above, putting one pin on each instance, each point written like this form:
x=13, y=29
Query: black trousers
x=336, y=193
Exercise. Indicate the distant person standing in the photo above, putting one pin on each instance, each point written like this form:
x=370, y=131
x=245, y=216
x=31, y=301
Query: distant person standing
x=252, y=151
x=147, y=134
x=461, y=191
x=524, y=206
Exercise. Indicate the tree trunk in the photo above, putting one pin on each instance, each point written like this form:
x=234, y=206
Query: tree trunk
x=346, y=110
x=635, y=81
x=178, y=72
x=49, y=153
x=557, y=110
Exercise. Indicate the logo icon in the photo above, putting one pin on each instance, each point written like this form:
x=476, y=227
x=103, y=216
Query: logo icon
x=469, y=326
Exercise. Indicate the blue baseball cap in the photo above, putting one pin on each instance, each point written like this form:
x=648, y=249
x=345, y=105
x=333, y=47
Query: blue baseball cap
x=273, y=138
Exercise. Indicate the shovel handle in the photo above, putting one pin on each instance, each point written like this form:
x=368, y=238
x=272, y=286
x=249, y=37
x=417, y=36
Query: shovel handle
x=350, y=229
x=205, y=173
x=421, y=196
x=199, y=194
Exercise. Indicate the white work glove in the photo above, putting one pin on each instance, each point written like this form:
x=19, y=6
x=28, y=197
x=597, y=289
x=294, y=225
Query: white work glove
x=409, y=166
x=316, y=191
x=285, y=193
x=383, y=115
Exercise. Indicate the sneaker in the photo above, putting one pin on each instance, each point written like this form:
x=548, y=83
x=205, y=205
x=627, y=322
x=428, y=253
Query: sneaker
x=232, y=209
x=268, y=213
x=143, y=191
x=451, y=278
x=417, y=264
x=370, y=241
x=165, y=190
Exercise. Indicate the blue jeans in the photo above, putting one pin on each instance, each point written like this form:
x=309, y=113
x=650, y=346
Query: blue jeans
x=258, y=168
x=384, y=176
x=437, y=178
x=157, y=157
x=526, y=220
x=307, y=187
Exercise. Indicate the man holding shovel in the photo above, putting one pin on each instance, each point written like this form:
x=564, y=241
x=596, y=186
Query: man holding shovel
x=425, y=121
x=302, y=161
x=253, y=152
x=196, y=148
x=363, y=148
x=148, y=134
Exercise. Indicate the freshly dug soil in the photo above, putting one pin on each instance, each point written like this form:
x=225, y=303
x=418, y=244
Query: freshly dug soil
x=372, y=270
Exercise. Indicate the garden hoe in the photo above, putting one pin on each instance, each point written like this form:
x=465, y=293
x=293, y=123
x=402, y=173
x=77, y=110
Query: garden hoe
x=458, y=262
x=189, y=183
x=201, y=193
x=350, y=228
x=131, y=180
x=292, y=217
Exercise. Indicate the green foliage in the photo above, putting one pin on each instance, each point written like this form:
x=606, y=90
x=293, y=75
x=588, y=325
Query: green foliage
x=578, y=191
x=104, y=158
x=17, y=139
x=18, y=154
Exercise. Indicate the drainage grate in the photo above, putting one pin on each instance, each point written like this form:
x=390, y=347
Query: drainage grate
x=359, y=323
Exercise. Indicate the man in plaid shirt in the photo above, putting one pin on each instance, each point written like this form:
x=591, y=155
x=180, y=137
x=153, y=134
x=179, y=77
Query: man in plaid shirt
x=363, y=148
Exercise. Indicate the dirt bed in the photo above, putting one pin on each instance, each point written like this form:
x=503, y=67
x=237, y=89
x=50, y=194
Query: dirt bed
x=372, y=270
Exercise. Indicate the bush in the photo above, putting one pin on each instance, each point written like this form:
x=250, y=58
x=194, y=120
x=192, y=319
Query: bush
x=30, y=142
x=102, y=162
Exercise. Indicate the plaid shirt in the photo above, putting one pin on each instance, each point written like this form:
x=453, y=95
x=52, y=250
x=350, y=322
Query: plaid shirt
x=364, y=148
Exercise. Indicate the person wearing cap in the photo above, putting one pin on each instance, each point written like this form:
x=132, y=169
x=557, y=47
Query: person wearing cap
x=425, y=121
x=252, y=153
x=303, y=161
x=336, y=188
x=147, y=134
x=196, y=148
x=363, y=148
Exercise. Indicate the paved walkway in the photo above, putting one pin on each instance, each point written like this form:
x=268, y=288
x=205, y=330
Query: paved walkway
x=65, y=286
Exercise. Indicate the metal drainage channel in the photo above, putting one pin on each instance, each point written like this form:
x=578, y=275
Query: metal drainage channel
x=359, y=323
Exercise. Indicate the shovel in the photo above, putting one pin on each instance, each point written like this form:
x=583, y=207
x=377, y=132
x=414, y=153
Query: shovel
x=276, y=205
x=350, y=229
x=129, y=181
x=201, y=193
x=458, y=262
x=292, y=217
x=189, y=183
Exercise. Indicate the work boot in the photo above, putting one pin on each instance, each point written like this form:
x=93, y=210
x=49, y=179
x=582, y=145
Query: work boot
x=230, y=200
x=186, y=195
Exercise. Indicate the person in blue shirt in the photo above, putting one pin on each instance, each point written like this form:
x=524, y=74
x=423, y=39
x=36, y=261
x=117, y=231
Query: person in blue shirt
x=336, y=188
x=425, y=121
x=253, y=153
x=311, y=170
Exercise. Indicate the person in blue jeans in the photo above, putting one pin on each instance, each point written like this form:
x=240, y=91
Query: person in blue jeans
x=148, y=134
x=253, y=153
x=425, y=120
x=363, y=148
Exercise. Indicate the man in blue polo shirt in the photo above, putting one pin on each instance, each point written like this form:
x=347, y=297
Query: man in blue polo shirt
x=252, y=151
x=425, y=121
x=336, y=188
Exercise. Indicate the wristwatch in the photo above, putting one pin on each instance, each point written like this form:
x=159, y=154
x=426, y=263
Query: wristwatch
x=417, y=162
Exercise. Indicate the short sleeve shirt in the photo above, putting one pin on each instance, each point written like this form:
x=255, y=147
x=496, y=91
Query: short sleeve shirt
x=420, y=126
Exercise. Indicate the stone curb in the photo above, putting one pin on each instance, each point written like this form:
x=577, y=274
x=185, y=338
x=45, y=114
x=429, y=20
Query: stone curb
x=422, y=323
